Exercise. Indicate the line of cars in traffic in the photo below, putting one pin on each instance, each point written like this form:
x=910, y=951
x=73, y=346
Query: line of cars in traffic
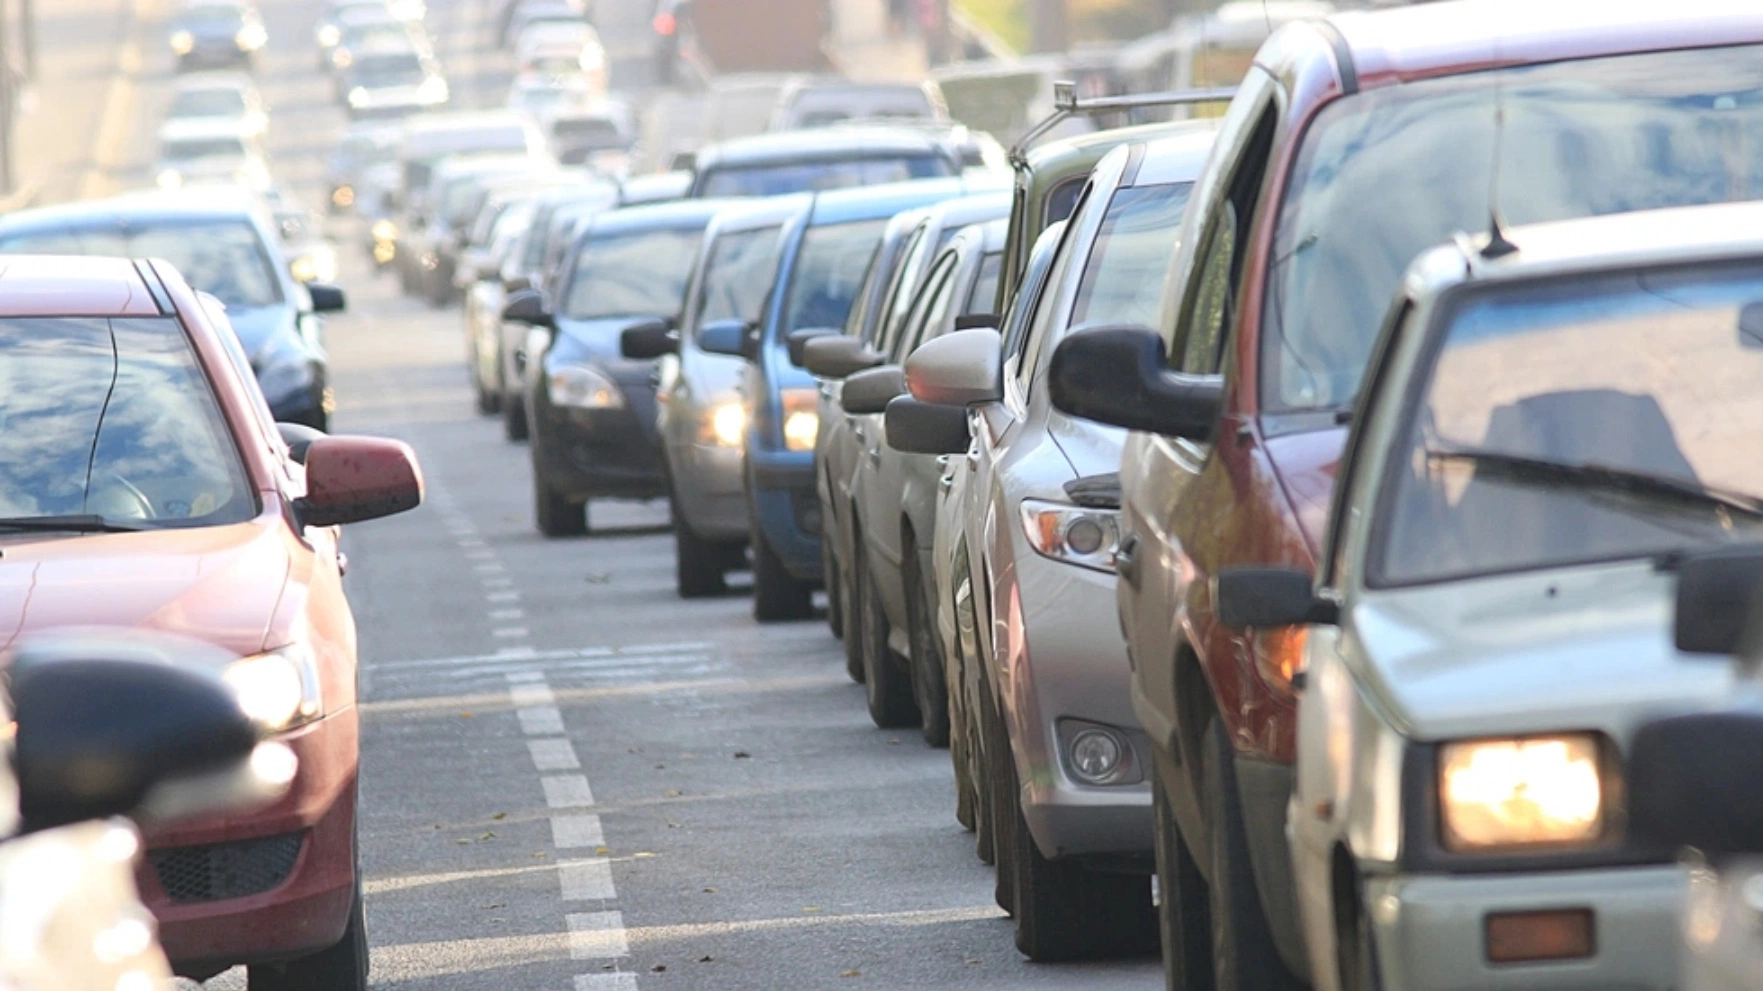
x=1321, y=508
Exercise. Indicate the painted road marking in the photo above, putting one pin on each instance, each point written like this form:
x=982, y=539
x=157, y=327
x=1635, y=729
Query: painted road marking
x=577, y=832
x=596, y=935
x=586, y=880
x=606, y=982
x=531, y=694
x=553, y=755
x=541, y=721
x=567, y=791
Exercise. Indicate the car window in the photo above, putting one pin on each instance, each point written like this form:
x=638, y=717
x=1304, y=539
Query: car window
x=900, y=291
x=1393, y=170
x=1574, y=421
x=1022, y=308
x=189, y=149
x=1061, y=200
x=797, y=177
x=225, y=258
x=1042, y=318
x=1122, y=282
x=207, y=103
x=924, y=307
x=984, y=294
x=828, y=269
x=114, y=418
x=738, y=275
x=642, y=273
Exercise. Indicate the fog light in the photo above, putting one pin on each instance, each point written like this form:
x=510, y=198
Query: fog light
x=1096, y=754
x=1526, y=937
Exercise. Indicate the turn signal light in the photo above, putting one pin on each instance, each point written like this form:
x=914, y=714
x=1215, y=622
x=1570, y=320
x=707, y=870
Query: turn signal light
x=1527, y=937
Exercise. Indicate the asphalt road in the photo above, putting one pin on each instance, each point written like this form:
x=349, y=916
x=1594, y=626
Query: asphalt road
x=572, y=779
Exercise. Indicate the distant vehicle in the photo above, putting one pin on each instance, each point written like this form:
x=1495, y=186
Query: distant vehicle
x=366, y=144
x=392, y=80
x=821, y=159
x=225, y=245
x=176, y=505
x=217, y=34
x=223, y=98
x=520, y=15
x=813, y=102
x=599, y=136
x=309, y=253
x=329, y=30
x=363, y=29
x=202, y=150
x=453, y=196
x=429, y=138
x=542, y=97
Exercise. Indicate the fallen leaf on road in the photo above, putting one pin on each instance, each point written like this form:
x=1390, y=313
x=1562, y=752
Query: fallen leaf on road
x=705, y=959
x=645, y=855
x=658, y=968
x=602, y=850
x=710, y=891
x=500, y=816
x=463, y=842
x=465, y=715
x=674, y=793
x=742, y=755
x=541, y=855
x=487, y=836
x=852, y=973
x=599, y=578
x=973, y=960
x=811, y=908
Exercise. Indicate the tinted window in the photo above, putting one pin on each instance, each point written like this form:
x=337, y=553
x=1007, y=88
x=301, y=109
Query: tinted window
x=387, y=70
x=637, y=274
x=220, y=257
x=187, y=149
x=207, y=103
x=1123, y=279
x=1062, y=199
x=113, y=418
x=1394, y=170
x=796, y=177
x=738, y=275
x=214, y=16
x=829, y=268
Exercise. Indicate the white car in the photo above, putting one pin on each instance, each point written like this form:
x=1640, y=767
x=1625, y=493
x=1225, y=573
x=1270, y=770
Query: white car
x=227, y=99
x=195, y=152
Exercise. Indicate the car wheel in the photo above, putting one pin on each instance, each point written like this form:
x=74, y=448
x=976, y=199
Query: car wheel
x=1244, y=957
x=556, y=513
x=342, y=967
x=514, y=423
x=777, y=595
x=847, y=590
x=1184, y=920
x=887, y=685
x=966, y=809
x=928, y=690
x=997, y=778
x=698, y=564
x=835, y=606
x=489, y=403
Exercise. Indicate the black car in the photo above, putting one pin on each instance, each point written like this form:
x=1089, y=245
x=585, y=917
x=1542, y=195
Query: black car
x=591, y=412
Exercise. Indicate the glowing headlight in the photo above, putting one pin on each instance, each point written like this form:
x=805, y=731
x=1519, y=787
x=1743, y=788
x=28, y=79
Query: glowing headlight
x=358, y=96
x=278, y=689
x=169, y=179
x=329, y=36
x=251, y=37
x=384, y=230
x=433, y=90
x=183, y=42
x=303, y=269
x=724, y=424
x=1539, y=790
x=584, y=388
x=343, y=196
x=801, y=418
x=1076, y=535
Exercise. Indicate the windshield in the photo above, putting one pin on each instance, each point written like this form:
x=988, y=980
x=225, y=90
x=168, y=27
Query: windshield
x=220, y=257
x=215, y=16
x=637, y=274
x=208, y=103
x=1392, y=171
x=738, y=275
x=387, y=70
x=796, y=177
x=1123, y=278
x=189, y=149
x=829, y=267
x=113, y=418
x=1596, y=419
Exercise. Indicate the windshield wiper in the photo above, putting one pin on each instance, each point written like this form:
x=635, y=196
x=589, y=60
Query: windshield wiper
x=1520, y=468
x=72, y=523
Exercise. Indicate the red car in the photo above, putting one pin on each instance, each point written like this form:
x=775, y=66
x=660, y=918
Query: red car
x=144, y=484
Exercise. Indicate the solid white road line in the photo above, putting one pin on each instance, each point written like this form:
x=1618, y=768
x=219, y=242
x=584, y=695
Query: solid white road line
x=577, y=832
x=606, y=982
x=586, y=880
x=567, y=791
x=509, y=633
x=553, y=755
x=541, y=721
x=596, y=935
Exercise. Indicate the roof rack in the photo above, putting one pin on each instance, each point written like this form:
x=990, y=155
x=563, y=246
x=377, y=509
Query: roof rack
x=1067, y=104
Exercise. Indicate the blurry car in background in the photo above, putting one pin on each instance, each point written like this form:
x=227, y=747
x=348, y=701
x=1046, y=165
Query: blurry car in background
x=221, y=98
x=368, y=28
x=599, y=136
x=391, y=79
x=209, y=34
x=210, y=150
x=824, y=158
x=224, y=244
x=808, y=101
x=519, y=15
x=367, y=143
x=308, y=250
x=541, y=97
x=453, y=197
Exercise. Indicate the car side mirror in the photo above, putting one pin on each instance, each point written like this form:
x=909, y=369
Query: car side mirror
x=917, y=427
x=105, y=721
x=869, y=391
x=351, y=479
x=1692, y=782
x=728, y=337
x=1264, y=598
x=799, y=338
x=961, y=368
x=977, y=321
x=1120, y=375
x=1717, y=595
x=838, y=356
x=326, y=298
x=649, y=339
x=298, y=437
x=528, y=307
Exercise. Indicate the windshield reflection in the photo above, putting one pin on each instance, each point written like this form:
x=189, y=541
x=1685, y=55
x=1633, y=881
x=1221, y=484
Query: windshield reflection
x=223, y=258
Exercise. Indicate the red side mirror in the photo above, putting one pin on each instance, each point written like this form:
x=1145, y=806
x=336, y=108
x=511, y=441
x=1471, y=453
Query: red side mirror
x=350, y=479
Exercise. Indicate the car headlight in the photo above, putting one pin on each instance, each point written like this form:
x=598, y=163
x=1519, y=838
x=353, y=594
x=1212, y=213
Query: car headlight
x=801, y=409
x=1521, y=792
x=303, y=269
x=330, y=36
x=582, y=387
x=278, y=689
x=1079, y=535
x=251, y=37
x=343, y=196
x=384, y=230
x=433, y=90
x=358, y=96
x=169, y=179
x=183, y=42
x=724, y=424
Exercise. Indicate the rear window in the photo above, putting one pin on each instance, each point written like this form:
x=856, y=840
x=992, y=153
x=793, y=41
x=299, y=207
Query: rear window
x=797, y=177
x=829, y=267
x=207, y=103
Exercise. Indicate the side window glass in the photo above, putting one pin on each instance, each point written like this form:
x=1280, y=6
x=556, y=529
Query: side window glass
x=1041, y=324
x=1022, y=308
x=1211, y=296
x=924, y=307
x=738, y=275
x=905, y=284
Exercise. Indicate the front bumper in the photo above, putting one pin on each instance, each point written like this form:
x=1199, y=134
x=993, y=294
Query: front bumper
x=591, y=453
x=708, y=491
x=786, y=507
x=1430, y=928
x=273, y=885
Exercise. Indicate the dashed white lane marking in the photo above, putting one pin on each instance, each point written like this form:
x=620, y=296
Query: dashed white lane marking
x=553, y=755
x=606, y=982
x=567, y=791
x=520, y=652
x=506, y=614
x=596, y=935
x=497, y=581
x=577, y=832
x=540, y=721
x=509, y=633
x=483, y=554
x=586, y=880
x=503, y=597
x=489, y=568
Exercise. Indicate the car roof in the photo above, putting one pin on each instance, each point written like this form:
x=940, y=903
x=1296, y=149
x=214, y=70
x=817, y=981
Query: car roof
x=970, y=209
x=61, y=285
x=865, y=202
x=651, y=216
x=1073, y=152
x=1432, y=39
x=208, y=202
x=997, y=232
x=748, y=214
x=463, y=120
x=835, y=142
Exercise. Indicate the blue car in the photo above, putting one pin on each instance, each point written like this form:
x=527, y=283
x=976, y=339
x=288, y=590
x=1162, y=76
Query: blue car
x=827, y=250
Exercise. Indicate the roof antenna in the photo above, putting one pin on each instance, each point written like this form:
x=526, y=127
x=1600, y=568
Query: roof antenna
x=1497, y=246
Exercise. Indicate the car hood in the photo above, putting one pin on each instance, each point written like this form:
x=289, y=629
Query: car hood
x=260, y=327
x=597, y=340
x=218, y=584
x=1305, y=464
x=1092, y=449
x=1585, y=648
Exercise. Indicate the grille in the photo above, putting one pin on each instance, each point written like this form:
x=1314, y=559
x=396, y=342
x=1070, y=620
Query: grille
x=225, y=870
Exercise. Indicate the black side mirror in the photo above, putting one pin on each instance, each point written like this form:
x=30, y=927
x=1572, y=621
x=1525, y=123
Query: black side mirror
x=977, y=321
x=326, y=298
x=649, y=339
x=528, y=307
x=1716, y=595
x=838, y=357
x=870, y=390
x=1263, y=598
x=100, y=727
x=1120, y=375
x=799, y=338
x=1692, y=781
x=730, y=337
x=917, y=427
x=298, y=437
x=518, y=283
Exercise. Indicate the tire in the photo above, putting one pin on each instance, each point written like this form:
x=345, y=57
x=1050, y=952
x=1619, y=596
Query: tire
x=887, y=685
x=847, y=590
x=698, y=564
x=1066, y=912
x=488, y=403
x=514, y=422
x=960, y=754
x=829, y=565
x=1244, y=957
x=557, y=514
x=997, y=789
x=1184, y=917
x=930, y=692
x=342, y=967
x=778, y=596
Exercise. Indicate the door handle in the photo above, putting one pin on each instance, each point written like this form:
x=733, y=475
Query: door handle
x=1126, y=560
x=858, y=432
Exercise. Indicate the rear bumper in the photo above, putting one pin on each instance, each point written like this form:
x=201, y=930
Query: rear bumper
x=273, y=885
